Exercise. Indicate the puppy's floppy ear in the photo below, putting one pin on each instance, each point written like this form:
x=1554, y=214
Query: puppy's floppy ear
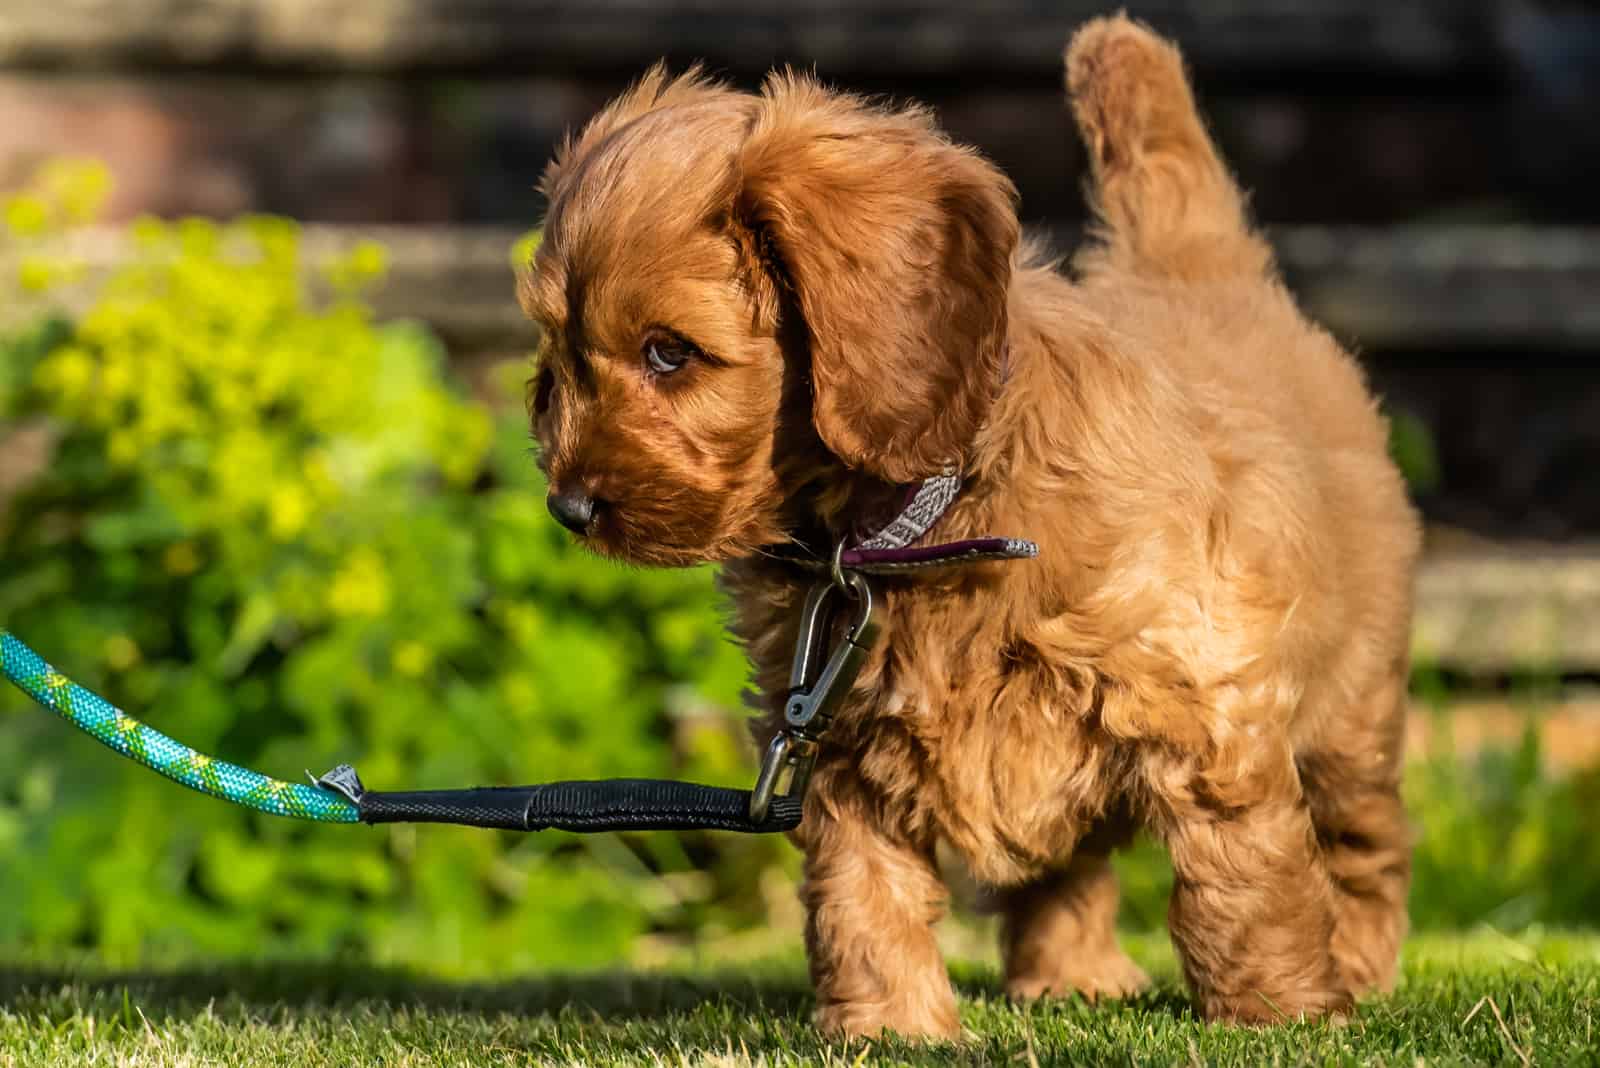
x=896, y=245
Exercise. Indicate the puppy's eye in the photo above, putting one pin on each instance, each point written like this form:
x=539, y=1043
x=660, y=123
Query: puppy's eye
x=666, y=355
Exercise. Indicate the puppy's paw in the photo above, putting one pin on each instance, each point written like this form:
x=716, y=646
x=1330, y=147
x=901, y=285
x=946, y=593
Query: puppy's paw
x=1112, y=975
x=857, y=1020
x=1256, y=1009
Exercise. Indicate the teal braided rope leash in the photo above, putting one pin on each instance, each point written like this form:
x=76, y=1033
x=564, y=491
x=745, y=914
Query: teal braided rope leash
x=97, y=717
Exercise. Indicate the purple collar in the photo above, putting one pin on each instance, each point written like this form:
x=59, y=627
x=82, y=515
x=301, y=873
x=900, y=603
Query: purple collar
x=899, y=545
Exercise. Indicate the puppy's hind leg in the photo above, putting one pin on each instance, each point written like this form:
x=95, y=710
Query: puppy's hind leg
x=1252, y=903
x=1352, y=784
x=1060, y=935
x=1168, y=205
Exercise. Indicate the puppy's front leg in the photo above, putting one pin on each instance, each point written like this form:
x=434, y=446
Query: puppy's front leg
x=871, y=902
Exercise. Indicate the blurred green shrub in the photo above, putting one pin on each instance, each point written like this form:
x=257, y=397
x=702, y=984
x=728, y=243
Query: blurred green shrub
x=1412, y=447
x=278, y=531
x=1500, y=840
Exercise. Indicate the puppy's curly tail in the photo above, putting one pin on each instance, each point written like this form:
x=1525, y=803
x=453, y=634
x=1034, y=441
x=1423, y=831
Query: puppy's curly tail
x=1168, y=206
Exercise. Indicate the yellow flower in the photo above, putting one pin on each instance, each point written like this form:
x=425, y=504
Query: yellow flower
x=412, y=658
x=67, y=372
x=81, y=186
x=200, y=238
x=242, y=459
x=369, y=260
x=365, y=263
x=26, y=216
x=166, y=413
x=117, y=376
x=287, y=511
x=318, y=473
x=35, y=275
x=122, y=447
x=361, y=588
x=230, y=399
x=149, y=233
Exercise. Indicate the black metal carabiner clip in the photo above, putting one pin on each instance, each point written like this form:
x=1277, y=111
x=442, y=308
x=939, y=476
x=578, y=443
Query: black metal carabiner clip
x=814, y=700
x=814, y=695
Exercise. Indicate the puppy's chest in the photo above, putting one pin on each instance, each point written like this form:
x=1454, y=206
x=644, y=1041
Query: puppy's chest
x=958, y=729
x=1001, y=766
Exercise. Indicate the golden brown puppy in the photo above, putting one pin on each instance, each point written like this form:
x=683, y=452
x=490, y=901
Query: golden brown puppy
x=764, y=312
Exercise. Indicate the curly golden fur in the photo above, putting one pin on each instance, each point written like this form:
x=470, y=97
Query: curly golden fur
x=763, y=311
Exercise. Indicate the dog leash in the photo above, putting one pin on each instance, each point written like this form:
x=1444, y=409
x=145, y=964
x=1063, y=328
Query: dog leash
x=820, y=678
x=340, y=797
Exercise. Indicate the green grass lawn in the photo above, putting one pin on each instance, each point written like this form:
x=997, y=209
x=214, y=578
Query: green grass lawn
x=1480, y=999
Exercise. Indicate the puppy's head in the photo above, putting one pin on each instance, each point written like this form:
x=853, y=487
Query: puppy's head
x=742, y=295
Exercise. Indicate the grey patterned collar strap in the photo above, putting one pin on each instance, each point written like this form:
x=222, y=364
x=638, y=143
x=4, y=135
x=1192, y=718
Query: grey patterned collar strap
x=927, y=506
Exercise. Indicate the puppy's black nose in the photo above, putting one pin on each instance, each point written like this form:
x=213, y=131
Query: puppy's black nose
x=572, y=509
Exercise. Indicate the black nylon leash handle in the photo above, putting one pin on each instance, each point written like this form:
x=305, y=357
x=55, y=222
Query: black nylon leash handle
x=580, y=807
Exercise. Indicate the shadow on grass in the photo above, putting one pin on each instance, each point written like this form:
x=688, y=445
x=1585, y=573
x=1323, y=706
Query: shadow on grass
x=1167, y=997
x=347, y=1013
x=272, y=989
x=273, y=986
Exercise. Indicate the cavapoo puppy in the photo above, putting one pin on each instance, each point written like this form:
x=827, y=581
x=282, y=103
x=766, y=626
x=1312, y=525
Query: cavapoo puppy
x=766, y=315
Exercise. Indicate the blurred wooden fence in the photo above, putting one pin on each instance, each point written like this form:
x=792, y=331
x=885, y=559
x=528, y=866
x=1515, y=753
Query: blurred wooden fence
x=900, y=38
